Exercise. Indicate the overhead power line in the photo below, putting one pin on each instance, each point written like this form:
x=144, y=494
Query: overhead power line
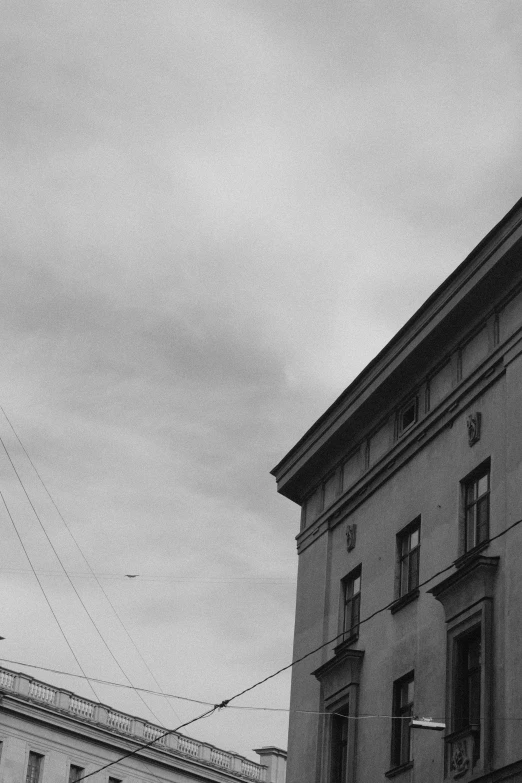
x=86, y=610
x=226, y=702
x=107, y=682
x=159, y=577
x=47, y=598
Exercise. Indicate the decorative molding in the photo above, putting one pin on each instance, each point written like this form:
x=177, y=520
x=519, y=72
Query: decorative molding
x=467, y=598
x=398, y=770
x=351, y=534
x=442, y=416
x=473, y=582
x=473, y=424
x=404, y=600
x=460, y=755
x=346, y=667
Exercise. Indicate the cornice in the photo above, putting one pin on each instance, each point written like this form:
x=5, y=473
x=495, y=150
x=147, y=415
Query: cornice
x=103, y=737
x=347, y=656
x=436, y=308
x=477, y=566
x=442, y=416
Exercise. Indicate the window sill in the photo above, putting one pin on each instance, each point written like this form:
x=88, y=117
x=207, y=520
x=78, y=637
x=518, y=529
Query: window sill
x=397, y=770
x=346, y=644
x=468, y=556
x=404, y=600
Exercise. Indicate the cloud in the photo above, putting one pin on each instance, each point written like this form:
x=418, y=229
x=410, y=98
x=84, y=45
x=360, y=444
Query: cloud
x=215, y=214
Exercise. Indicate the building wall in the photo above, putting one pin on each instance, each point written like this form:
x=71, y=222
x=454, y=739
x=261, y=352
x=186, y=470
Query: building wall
x=385, y=482
x=66, y=729
x=62, y=747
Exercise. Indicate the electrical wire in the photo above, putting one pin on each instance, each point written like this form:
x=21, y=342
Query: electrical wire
x=226, y=702
x=108, y=682
x=159, y=578
x=72, y=583
x=152, y=742
x=91, y=570
x=86, y=561
x=246, y=707
x=185, y=698
x=140, y=697
x=47, y=599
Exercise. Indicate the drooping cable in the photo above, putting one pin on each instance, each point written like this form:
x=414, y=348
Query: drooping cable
x=108, y=682
x=91, y=570
x=47, y=598
x=148, y=744
x=226, y=702
x=106, y=645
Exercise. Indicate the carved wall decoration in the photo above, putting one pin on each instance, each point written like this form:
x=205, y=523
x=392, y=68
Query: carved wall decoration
x=351, y=531
x=473, y=423
x=460, y=760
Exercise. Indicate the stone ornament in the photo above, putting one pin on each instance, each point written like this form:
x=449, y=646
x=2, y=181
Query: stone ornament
x=473, y=422
x=351, y=531
x=460, y=760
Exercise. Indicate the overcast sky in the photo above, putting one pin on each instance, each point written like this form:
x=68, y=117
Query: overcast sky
x=215, y=214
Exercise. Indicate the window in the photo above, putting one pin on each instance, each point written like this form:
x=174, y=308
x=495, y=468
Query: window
x=407, y=416
x=476, y=508
x=467, y=687
x=402, y=712
x=467, y=597
x=351, y=589
x=75, y=773
x=34, y=768
x=339, y=746
x=408, y=551
x=114, y=780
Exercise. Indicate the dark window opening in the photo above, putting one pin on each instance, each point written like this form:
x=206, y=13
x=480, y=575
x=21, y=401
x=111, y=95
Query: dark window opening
x=476, y=509
x=468, y=682
x=75, y=773
x=339, y=747
x=408, y=548
x=403, y=691
x=407, y=416
x=351, y=604
x=34, y=768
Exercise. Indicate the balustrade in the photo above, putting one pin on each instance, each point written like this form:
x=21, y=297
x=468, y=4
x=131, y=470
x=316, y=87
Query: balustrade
x=119, y=721
x=188, y=746
x=220, y=758
x=42, y=692
x=252, y=771
x=82, y=707
x=6, y=679
x=64, y=701
x=151, y=732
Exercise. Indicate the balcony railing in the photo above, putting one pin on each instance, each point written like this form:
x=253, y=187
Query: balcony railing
x=63, y=701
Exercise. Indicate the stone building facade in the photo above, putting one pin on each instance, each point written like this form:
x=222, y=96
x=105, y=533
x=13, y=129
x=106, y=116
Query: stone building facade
x=410, y=576
x=50, y=735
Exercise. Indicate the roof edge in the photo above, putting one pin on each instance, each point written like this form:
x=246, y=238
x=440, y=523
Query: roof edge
x=359, y=379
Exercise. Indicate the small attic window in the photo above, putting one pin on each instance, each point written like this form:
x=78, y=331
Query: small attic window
x=407, y=416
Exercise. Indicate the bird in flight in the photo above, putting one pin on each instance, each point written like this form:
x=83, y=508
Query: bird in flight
x=131, y=576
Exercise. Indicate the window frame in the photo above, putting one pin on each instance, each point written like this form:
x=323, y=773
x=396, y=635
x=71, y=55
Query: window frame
x=468, y=508
x=34, y=755
x=462, y=713
x=340, y=744
x=350, y=599
x=467, y=596
x=412, y=401
x=401, y=736
x=405, y=559
x=78, y=770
